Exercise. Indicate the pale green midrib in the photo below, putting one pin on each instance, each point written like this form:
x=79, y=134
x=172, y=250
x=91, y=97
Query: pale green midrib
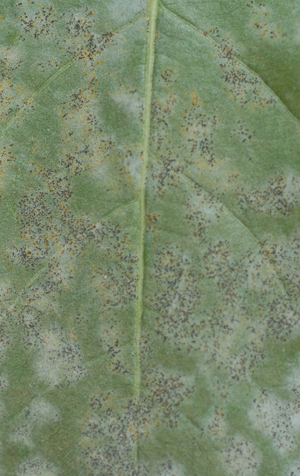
x=147, y=120
x=149, y=74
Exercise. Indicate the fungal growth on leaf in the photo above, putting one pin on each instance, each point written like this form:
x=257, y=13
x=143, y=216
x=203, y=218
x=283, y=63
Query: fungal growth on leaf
x=149, y=191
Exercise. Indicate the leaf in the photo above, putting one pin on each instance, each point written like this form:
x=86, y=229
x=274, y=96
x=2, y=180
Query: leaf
x=150, y=238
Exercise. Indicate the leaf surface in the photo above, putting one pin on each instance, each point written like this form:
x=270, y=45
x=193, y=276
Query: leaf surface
x=150, y=259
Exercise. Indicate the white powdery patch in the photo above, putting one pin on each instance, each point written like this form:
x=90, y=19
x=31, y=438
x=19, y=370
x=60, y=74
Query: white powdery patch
x=214, y=424
x=11, y=56
x=295, y=422
x=241, y=457
x=3, y=386
x=59, y=360
x=37, y=467
x=43, y=411
x=293, y=380
x=293, y=470
x=121, y=9
x=171, y=469
x=130, y=101
x=293, y=384
x=133, y=164
x=39, y=413
x=279, y=195
x=183, y=282
x=273, y=417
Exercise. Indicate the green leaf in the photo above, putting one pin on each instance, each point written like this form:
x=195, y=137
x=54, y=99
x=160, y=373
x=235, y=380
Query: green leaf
x=150, y=246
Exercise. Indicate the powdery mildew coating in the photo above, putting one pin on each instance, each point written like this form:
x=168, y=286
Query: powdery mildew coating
x=149, y=188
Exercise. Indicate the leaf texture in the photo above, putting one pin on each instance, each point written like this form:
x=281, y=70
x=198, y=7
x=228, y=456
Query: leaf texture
x=150, y=244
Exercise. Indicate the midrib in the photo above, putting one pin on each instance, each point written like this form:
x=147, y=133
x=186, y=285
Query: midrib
x=142, y=200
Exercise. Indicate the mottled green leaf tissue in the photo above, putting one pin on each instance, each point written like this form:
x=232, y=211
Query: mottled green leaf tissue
x=150, y=238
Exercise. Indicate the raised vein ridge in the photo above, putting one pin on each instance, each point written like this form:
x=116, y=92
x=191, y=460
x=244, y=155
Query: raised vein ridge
x=142, y=199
